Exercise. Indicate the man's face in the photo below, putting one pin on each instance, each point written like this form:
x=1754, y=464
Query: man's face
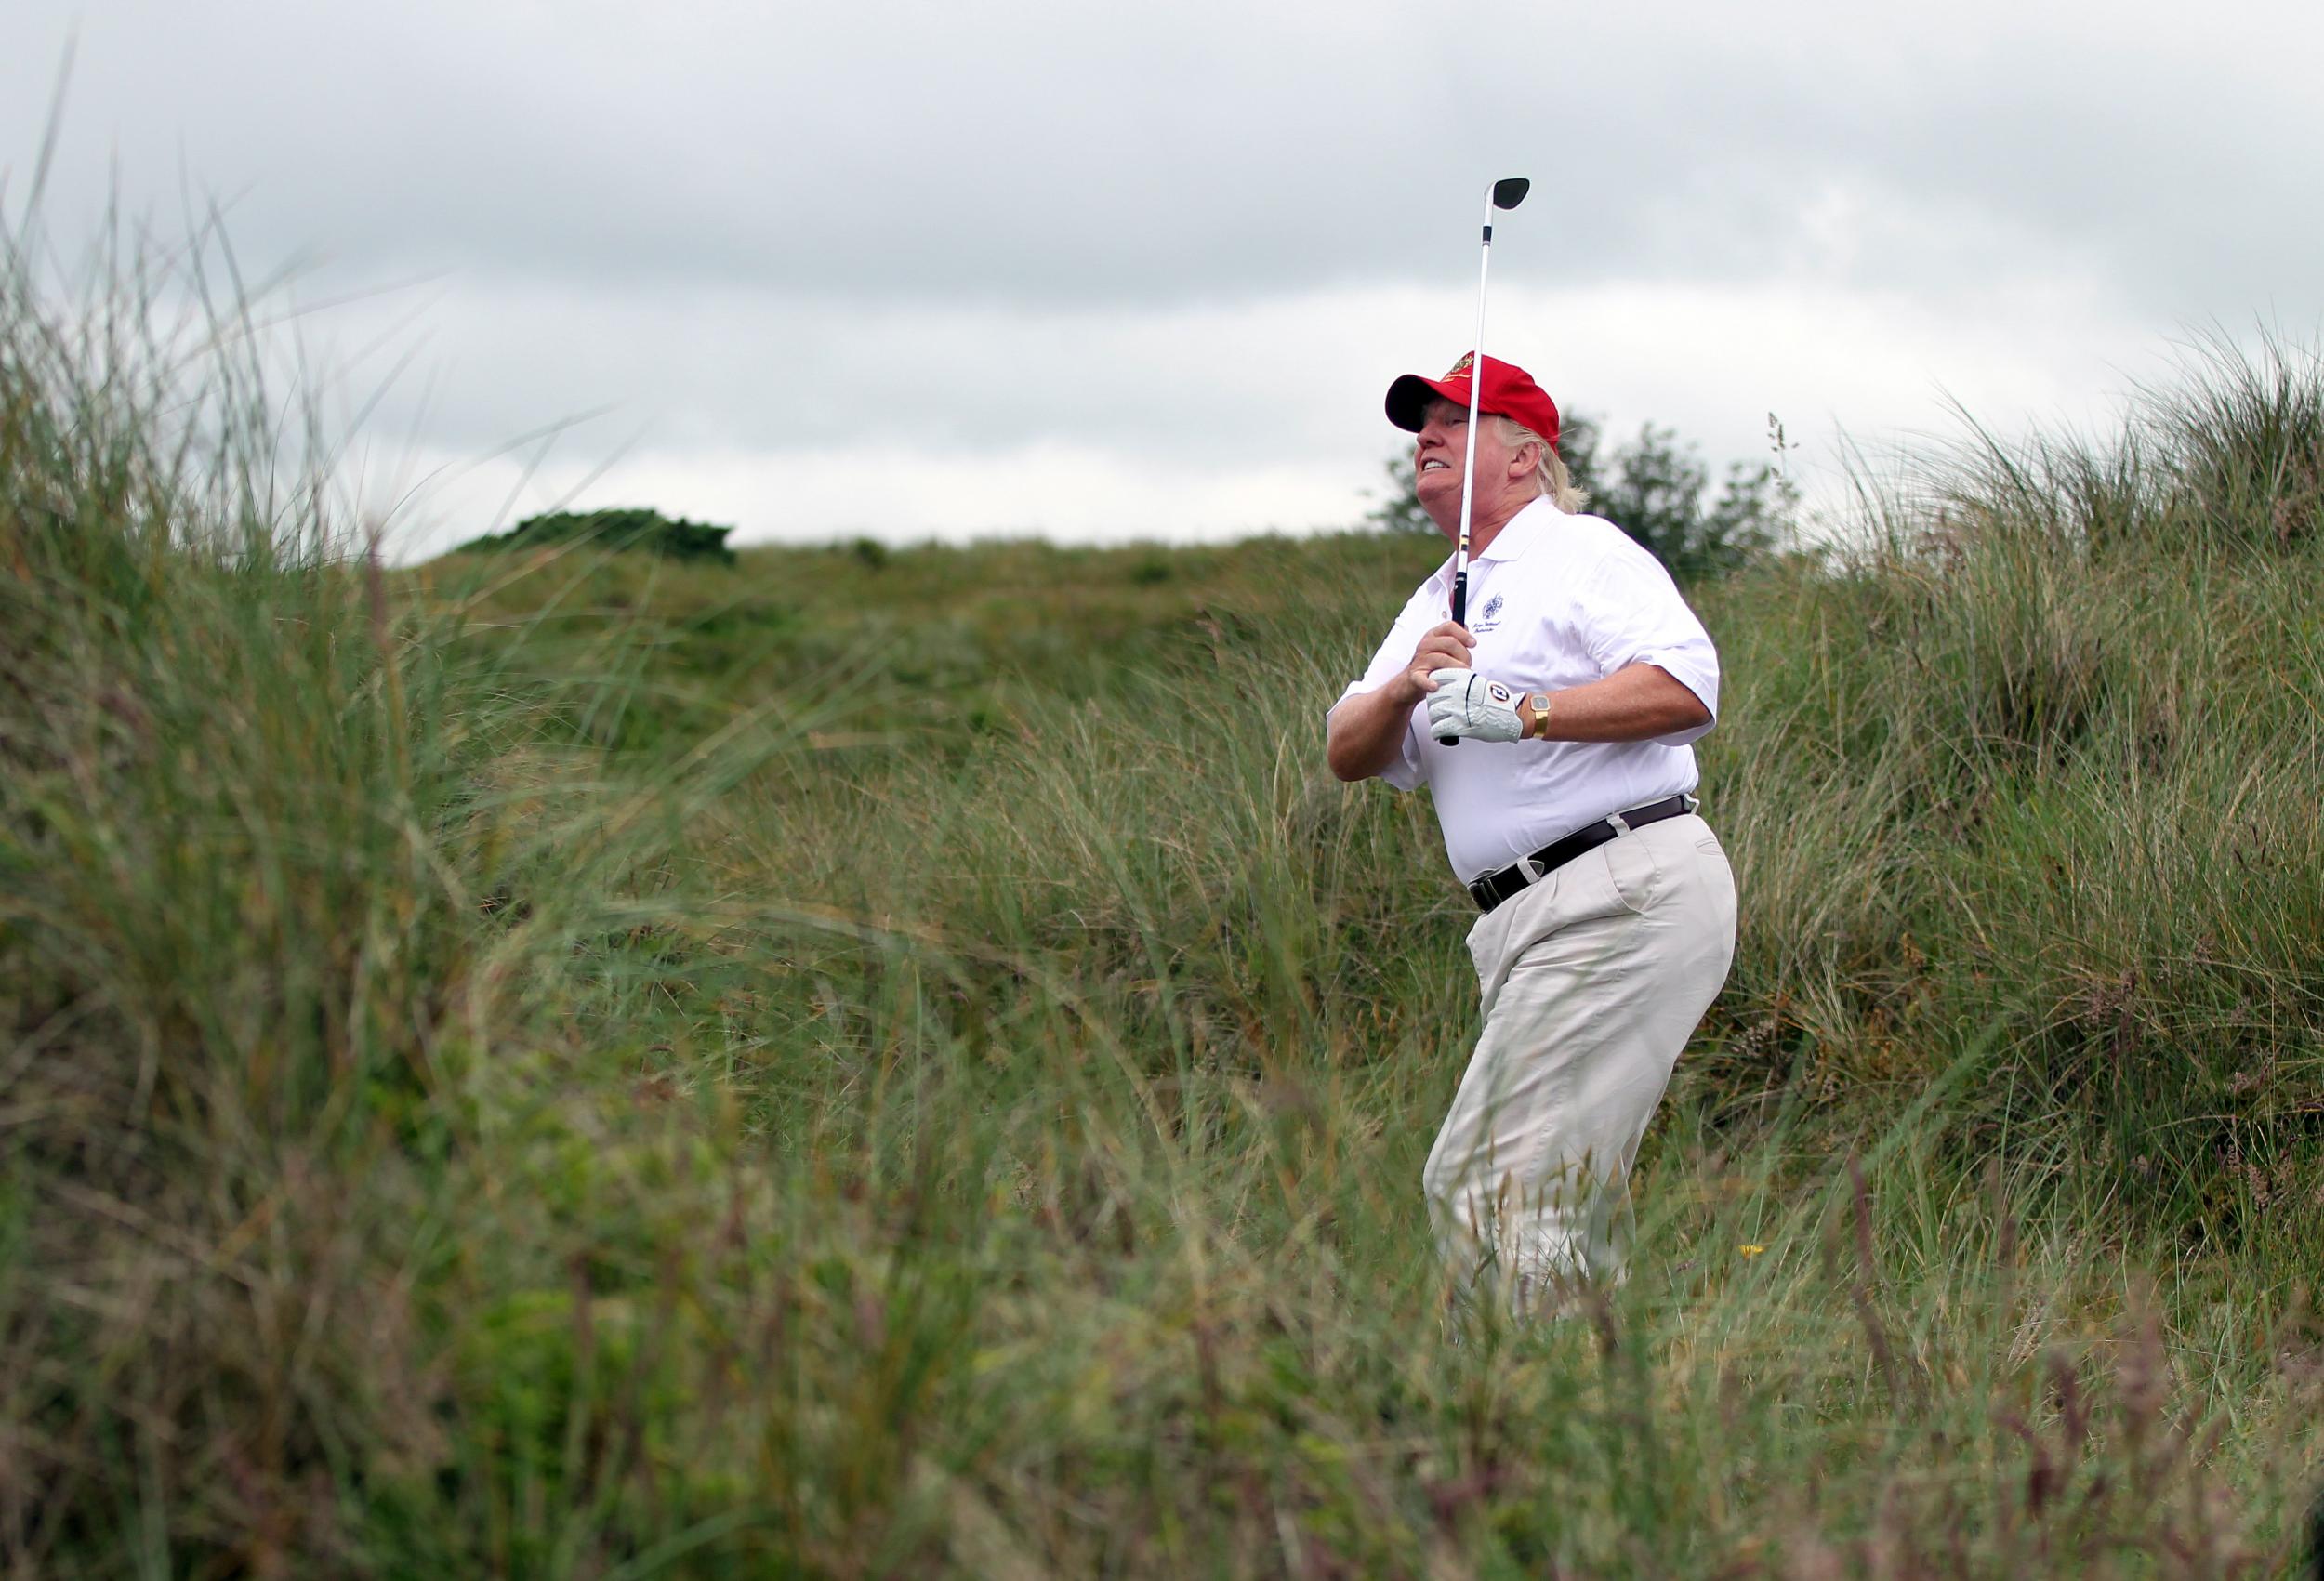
x=1438, y=451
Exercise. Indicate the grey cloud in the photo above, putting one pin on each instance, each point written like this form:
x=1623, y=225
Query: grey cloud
x=495, y=356
x=1188, y=244
x=1045, y=155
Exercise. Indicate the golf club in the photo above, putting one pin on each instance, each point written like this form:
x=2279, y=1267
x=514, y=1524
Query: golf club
x=1507, y=192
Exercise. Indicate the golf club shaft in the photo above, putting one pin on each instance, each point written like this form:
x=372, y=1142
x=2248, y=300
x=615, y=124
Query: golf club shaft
x=1477, y=390
x=1468, y=465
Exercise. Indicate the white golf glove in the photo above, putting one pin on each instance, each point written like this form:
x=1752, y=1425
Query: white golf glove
x=1466, y=704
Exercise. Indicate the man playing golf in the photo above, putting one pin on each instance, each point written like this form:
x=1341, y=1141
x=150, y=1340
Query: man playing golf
x=1554, y=729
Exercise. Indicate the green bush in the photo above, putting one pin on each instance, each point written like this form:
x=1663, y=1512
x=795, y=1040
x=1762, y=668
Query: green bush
x=648, y=531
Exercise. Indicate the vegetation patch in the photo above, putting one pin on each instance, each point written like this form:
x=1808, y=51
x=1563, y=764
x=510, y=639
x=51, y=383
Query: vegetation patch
x=595, y=1064
x=646, y=530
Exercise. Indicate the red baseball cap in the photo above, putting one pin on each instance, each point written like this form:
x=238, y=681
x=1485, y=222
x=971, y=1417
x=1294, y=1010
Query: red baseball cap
x=1509, y=393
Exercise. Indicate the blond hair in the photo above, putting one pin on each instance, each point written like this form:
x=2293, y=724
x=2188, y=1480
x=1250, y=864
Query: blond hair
x=1550, y=476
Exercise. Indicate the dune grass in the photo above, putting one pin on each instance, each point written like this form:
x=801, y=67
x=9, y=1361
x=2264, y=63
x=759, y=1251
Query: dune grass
x=907, y=1064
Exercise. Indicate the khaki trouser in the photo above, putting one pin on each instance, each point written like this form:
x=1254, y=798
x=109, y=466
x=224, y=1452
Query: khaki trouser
x=1592, y=981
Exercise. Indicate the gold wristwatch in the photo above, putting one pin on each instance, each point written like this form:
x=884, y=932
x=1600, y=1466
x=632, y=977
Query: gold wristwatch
x=1540, y=702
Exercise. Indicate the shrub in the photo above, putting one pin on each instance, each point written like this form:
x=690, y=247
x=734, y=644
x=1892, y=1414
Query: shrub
x=649, y=531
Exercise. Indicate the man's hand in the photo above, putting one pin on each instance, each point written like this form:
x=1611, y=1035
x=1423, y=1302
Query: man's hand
x=1466, y=704
x=1444, y=648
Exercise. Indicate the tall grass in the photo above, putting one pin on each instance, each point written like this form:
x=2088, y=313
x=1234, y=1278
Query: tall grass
x=2050, y=743
x=590, y=1071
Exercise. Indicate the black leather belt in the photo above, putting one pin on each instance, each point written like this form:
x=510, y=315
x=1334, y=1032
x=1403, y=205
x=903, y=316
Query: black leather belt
x=1495, y=887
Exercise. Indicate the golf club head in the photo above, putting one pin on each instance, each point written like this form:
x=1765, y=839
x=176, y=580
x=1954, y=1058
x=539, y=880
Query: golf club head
x=1510, y=190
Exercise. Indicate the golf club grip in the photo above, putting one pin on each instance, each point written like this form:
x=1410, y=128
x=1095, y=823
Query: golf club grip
x=1460, y=617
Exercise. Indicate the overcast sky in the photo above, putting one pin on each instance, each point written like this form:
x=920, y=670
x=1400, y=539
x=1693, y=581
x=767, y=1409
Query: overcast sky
x=1105, y=272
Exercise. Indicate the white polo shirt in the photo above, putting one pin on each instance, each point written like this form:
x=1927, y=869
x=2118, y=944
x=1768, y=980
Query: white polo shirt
x=1555, y=600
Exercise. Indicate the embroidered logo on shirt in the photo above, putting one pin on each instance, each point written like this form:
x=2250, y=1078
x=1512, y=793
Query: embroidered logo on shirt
x=1492, y=610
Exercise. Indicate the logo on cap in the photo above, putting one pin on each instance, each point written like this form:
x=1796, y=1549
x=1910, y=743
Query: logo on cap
x=1462, y=366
